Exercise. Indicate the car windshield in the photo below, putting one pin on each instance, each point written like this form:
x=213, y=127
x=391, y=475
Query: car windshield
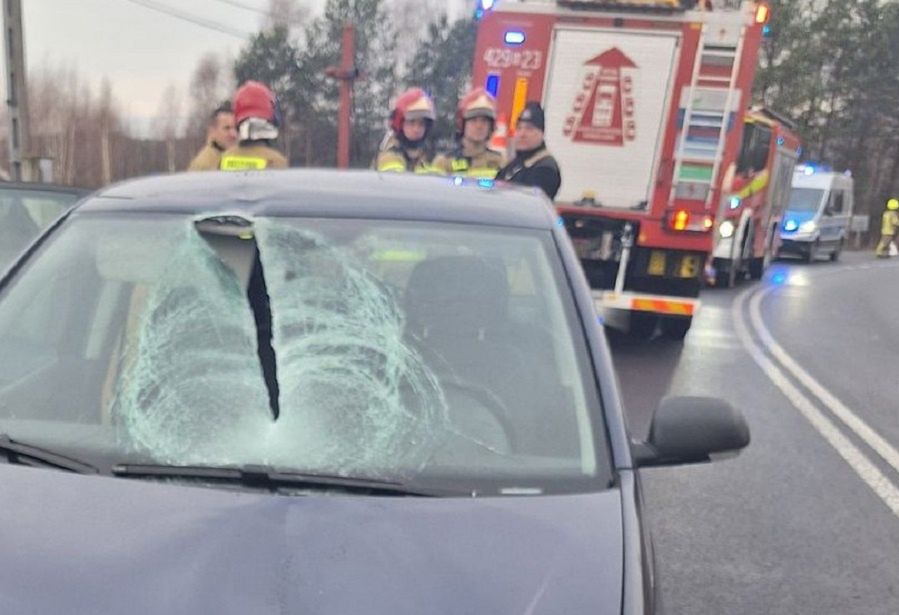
x=805, y=199
x=23, y=215
x=415, y=352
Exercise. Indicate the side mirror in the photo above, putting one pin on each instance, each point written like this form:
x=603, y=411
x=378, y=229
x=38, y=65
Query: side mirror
x=691, y=430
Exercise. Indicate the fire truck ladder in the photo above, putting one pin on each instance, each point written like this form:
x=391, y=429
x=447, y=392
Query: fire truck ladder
x=707, y=109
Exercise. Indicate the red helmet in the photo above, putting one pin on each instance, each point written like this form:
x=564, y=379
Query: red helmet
x=413, y=104
x=477, y=103
x=254, y=99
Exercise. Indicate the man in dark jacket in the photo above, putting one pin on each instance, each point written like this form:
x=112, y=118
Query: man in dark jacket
x=533, y=165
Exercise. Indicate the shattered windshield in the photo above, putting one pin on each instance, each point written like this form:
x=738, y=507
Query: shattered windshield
x=360, y=348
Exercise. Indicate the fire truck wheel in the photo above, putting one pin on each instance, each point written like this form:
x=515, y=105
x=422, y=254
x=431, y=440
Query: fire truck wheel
x=676, y=327
x=643, y=325
x=757, y=266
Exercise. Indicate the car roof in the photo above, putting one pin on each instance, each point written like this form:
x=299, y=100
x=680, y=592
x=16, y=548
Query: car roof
x=42, y=187
x=331, y=194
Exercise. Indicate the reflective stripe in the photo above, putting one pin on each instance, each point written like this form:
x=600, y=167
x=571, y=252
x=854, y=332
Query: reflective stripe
x=662, y=307
x=393, y=166
x=459, y=164
x=755, y=185
x=482, y=173
x=242, y=163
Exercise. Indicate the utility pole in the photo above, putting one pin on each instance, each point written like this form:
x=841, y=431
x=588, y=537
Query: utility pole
x=346, y=73
x=17, y=96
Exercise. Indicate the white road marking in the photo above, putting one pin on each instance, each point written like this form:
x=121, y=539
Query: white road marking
x=860, y=464
x=838, y=408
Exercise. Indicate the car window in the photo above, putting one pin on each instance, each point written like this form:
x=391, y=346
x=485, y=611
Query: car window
x=836, y=202
x=434, y=352
x=23, y=215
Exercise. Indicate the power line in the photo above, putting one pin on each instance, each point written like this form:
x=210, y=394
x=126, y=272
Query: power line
x=243, y=6
x=197, y=21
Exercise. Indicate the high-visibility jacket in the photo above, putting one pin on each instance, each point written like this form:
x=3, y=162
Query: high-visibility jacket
x=890, y=222
x=252, y=157
x=470, y=160
x=394, y=158
x=207, y=159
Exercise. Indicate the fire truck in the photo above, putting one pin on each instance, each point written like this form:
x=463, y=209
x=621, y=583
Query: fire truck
x=750, y=214
x=645, y=105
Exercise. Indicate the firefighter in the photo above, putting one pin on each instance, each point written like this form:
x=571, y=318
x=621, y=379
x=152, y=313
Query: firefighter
x=475, y=121
x=533, y=165
x=220, y=135
x=888, y=229
x=405, y=148
x=257, y=115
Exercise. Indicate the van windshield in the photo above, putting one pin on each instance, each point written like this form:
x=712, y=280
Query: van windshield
x=805, y=199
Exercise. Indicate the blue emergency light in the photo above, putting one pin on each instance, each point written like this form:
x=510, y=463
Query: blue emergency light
x=492, y=84
x=791, y=225
x=514, y=37
x=482, y=7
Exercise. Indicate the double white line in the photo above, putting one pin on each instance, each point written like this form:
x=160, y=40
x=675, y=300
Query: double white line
x=783, y=370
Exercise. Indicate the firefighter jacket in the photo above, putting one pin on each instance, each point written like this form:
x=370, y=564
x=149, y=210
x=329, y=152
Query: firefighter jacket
x=252, y=155
x=208, y=159
x=393, y=157
x=534, y=167
x=470, y=160
x=890, y=222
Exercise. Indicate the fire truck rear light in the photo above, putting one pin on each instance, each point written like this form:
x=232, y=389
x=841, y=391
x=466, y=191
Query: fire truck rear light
x=514, y=37
x=762, y=13
x=682, y=220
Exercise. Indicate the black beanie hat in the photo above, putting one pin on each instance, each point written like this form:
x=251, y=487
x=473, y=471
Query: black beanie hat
x=533, y=113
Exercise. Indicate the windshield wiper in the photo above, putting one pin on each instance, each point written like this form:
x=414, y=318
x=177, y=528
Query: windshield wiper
x=26, y=454
x=272, y=479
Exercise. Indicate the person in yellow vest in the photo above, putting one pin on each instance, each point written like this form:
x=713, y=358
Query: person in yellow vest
x=888, y=228
x=220, y=135
x=257, y=115
x=475, y=122
x=405, y=147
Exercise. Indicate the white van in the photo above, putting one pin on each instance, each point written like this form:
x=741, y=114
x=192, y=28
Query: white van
x=817, y=218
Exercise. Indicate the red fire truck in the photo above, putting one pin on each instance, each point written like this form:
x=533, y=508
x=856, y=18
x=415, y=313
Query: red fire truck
x=757, y=191
x=645, y=104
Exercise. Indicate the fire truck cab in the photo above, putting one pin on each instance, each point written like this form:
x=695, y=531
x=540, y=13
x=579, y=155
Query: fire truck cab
x=757, y=190
x=645, y=105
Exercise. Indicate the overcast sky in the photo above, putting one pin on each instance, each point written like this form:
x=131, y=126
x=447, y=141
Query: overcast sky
x=140, y=50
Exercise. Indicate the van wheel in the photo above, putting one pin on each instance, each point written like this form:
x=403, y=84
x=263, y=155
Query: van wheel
x=812, y=254
x=643, y=325
x=835, y=255
x=676, y=327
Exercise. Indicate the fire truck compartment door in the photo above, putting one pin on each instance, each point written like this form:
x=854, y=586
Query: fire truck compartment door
x=606, y=99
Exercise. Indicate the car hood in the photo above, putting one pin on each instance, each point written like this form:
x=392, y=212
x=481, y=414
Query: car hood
x=75, y=543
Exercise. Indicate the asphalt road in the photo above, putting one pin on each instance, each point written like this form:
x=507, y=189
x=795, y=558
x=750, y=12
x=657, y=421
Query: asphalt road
x=806, y=520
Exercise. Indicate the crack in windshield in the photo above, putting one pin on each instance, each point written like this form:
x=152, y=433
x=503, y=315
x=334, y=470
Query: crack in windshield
x=353, y=396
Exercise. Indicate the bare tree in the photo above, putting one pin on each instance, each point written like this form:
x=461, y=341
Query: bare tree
x=289, y=14
x=169, y=124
